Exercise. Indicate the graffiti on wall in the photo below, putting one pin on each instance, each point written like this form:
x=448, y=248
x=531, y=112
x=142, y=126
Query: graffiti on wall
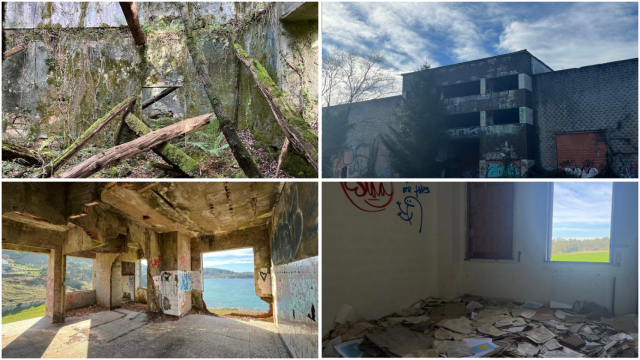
x=296, y=306
x=287, y=234
x=368, y=196
x=264, y=282
x=174, y=287
x=497, y=169
x=587, y=170
x=128, y=288
x=412, y=205
x=196, y=280
x=155, y=263
x=628, y=170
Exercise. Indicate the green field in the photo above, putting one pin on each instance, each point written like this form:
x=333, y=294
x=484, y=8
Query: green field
x=602, y=256
x=24, y=314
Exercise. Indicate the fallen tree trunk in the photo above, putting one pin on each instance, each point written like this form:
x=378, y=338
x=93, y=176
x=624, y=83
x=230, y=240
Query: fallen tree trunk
x=238, y=149
x=87, y=135
x=116, y=154
x=14, y=50
x=294, y=127
x=131, y=14
x=282, y=152
x=12, y=151
x=164, y=93
x=172, y=155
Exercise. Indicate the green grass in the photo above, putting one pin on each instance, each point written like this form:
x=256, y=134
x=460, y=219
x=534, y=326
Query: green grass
x=602, y=256
x=22, y=289
x=24, y=314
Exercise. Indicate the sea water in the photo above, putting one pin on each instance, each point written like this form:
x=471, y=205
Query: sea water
x=232, y=293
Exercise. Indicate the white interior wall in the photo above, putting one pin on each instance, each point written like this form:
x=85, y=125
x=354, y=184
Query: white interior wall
x=375, y=261
x=533, y=278
x=380, y=264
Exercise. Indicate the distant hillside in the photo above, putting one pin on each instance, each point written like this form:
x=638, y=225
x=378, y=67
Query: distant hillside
x=568, y=246
x=213, y=273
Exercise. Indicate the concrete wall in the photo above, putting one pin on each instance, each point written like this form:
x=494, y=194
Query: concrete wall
x=370, y=120
x=598, y=97
x=79, y=299
x=373, y=259
x=294, y=263
x=60, y=85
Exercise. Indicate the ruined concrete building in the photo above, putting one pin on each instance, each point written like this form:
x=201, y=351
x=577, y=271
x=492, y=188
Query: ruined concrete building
x=170, y=225
x=514, y=107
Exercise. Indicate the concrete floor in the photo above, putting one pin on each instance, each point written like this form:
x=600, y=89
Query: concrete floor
x=124, y=333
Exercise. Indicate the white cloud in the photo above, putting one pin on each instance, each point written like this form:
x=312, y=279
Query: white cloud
x=239, y=256
x=576, y=203
x=583, y=34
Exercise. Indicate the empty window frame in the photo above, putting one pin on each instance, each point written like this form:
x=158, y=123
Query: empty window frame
x=79, y=274
x=462, y=120
x=141, y=269
x=580, y=221
x=504, y=83
x=490, y=220
x=505, y=116
x=462, y=89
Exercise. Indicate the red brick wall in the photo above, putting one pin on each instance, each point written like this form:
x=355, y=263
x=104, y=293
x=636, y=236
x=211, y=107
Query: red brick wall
x=490, y=220
x=582, y=150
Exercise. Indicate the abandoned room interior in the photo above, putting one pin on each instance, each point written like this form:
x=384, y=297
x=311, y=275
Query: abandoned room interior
x=159, y=89
x=166, y=228
x=498, y=269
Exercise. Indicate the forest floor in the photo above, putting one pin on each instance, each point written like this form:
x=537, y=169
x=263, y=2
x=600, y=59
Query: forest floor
x=224, y=165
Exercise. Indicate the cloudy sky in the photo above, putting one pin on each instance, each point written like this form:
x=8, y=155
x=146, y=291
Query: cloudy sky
x=234, y=260
x=562, y=35
x=582, y=210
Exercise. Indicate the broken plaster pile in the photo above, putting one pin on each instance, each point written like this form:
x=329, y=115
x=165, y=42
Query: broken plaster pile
x=475, y=327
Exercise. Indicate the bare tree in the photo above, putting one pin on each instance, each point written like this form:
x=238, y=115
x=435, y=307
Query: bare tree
x=349, y=77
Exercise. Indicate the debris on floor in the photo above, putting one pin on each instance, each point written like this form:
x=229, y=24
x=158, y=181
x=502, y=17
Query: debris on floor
x=472, y=326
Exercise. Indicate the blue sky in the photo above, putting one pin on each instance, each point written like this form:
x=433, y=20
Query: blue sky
x=582, y=210
x=240, y=260
x=562, y=35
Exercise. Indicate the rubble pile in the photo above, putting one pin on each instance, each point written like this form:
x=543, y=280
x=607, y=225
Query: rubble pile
x=472, y=326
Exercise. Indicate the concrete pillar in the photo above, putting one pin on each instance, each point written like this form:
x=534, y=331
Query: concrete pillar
x=154, y=258
x=483, y=86
x=524, y=82
x=525, y=164
x=483, y=118
x=55, y=286
x=483, y=168
x=526, y=115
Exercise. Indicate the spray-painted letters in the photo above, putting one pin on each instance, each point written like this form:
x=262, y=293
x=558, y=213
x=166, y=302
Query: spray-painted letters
x=369, y=197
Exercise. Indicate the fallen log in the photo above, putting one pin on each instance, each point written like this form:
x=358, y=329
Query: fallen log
x=240, y=152
x=86, y=136
x=169, y=153
x=12, y=151
x=116, y=154
x=164, y=93
x=131, y=14
x=294, y=127
x=14, y=50
x=285, y=147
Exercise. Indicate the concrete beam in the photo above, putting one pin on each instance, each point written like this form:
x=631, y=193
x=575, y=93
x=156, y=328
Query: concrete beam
x=77, y=240
x=28, y=233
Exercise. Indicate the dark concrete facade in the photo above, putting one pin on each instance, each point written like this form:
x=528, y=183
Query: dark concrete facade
x=510, y=108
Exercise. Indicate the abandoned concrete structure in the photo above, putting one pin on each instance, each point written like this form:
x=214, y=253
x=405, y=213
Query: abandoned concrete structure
x=170, y=225
x=79, y=59
x=440, y=250
x=514, y=107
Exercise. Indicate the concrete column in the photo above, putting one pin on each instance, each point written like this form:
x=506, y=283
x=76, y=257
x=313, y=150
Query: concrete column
x=152, y=251
x=483, y=168
x=483, y=118
x=525, y=164
x=483, y=86
x=55, y=286
x=524, y=82
x=526, y=115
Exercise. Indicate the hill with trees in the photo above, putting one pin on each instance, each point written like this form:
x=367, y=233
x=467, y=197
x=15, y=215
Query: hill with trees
x=214, y=273
x=568, y=246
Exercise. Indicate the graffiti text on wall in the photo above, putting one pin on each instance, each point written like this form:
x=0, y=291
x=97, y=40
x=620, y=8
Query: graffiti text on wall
x=586, y=171
x=369, y=197
x=412, y=204
x=628, y=170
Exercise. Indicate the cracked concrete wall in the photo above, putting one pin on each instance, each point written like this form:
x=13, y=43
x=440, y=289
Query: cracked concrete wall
x=79, y=299
x=102, y=278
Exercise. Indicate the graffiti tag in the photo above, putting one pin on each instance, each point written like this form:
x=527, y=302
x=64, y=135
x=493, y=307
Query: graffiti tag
x=369, y=197
x=411, y=203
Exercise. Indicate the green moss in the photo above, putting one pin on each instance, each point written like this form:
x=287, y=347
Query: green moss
x=47, y=10
x=111, y=172
x=296, y=165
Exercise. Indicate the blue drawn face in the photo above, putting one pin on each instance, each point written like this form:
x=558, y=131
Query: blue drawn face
x=409, y=201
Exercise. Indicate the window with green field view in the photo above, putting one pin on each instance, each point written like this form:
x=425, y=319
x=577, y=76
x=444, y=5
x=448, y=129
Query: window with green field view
x=141, y=268
x=581, y=224
x=24, y=277
x=79, y=274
